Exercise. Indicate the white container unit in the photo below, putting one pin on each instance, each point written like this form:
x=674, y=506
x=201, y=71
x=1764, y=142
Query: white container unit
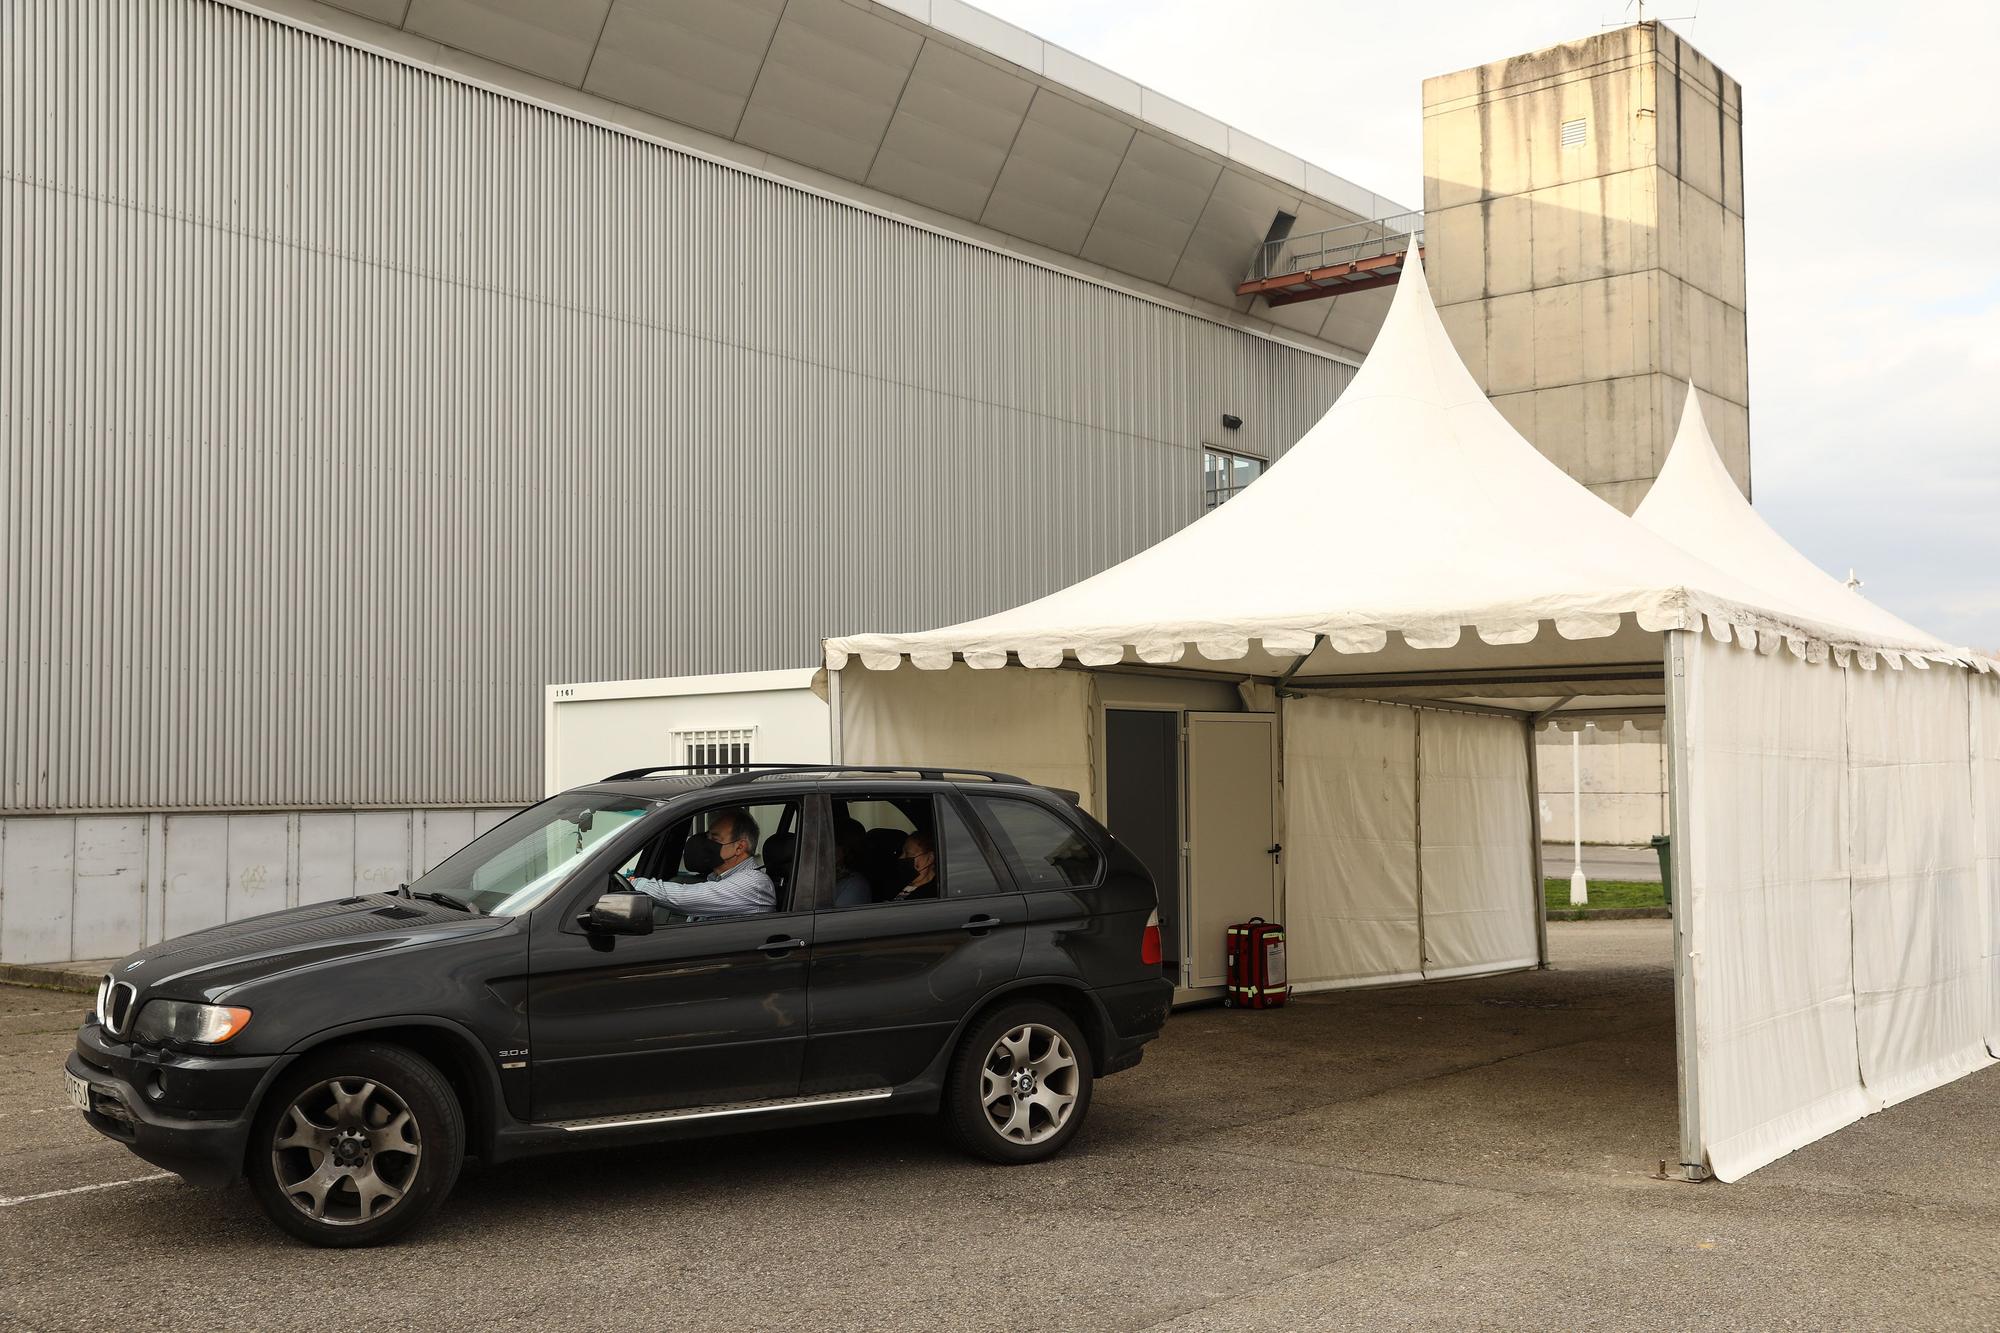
x=594, y=730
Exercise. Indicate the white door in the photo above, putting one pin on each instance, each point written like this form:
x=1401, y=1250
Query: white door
x=1232, y=829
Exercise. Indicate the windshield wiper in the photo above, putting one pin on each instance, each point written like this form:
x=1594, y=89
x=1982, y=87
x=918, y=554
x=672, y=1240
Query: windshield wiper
x=445, y=899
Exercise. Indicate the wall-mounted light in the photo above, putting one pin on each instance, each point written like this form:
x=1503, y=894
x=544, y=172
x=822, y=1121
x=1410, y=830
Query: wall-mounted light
x=1230, y=421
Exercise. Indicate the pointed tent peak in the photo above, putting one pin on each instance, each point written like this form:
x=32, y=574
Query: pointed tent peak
x=1694, y=465
x=1693, y=422
x=1413, y=355
x=1696, y=504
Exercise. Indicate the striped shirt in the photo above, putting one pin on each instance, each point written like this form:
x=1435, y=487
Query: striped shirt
x=744, y=890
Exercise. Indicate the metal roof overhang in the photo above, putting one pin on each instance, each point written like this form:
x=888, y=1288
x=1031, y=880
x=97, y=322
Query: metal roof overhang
x=934, y=102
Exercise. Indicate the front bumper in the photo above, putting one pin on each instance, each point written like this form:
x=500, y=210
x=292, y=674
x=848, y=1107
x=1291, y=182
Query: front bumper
x=187, y=1113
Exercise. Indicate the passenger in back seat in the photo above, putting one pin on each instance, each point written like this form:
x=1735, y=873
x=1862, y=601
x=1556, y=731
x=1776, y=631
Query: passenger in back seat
x=920, y=855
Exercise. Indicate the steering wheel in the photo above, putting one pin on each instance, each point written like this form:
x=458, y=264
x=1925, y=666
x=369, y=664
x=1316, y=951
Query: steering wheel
x=623, y=882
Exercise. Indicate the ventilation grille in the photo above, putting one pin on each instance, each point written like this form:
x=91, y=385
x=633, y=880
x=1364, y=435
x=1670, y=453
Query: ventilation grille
x=1574, y=132
x=724, y=749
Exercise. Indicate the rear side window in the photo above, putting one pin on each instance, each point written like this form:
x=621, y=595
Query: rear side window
x=1047, y=852
x=967, y=873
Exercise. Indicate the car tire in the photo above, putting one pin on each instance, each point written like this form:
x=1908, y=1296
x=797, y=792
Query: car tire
x=993, y=1110
x=356, y=1144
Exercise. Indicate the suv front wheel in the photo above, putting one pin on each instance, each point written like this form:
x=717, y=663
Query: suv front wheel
x=356, y=1144
x=1019, y=1085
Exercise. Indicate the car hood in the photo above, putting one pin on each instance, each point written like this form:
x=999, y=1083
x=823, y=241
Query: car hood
x=209, y=963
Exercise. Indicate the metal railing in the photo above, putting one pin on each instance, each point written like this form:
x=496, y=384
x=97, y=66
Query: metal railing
x=1338, y=245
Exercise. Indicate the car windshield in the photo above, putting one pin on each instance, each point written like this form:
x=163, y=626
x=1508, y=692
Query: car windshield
x=513, y=866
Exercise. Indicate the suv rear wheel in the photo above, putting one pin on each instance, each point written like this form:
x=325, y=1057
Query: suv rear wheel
x=1019, y=1085
x=356, y=1144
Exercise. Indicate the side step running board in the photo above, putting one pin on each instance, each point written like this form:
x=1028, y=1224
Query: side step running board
x=715, y=1112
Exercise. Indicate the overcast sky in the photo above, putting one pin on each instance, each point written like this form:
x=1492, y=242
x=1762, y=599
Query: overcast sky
x=1871, y=145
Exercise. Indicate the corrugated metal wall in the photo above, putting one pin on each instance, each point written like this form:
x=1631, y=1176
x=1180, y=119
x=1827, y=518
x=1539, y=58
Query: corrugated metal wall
x=102, y=886
x=347, y=405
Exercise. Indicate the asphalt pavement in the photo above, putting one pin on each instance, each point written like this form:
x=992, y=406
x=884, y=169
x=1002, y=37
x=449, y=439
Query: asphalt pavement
x=1479, y=1154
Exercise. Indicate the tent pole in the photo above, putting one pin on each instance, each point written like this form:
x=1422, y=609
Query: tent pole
x=1528, y=726
x=1687, y=1048
x=833, y=718
x=1298, y=662
x=1423, y=945
x=1533, y=725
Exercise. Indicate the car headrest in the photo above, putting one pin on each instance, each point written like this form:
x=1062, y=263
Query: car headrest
x=779, y=849
x=885, y=844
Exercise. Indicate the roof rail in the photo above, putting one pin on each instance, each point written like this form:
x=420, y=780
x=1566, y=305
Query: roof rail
x=733, y=775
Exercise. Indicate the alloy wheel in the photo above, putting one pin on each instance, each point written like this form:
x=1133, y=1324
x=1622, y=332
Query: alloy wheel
x=346, y=1151
x=1028, y=1085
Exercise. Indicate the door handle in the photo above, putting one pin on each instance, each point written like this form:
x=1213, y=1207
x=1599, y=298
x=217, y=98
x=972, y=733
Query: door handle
x=779, y=945
x=980, y=924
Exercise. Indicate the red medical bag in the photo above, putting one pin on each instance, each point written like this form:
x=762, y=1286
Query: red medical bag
x=1256, y=974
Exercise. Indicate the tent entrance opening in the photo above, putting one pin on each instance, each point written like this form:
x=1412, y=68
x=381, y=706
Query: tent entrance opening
x=1142, y=790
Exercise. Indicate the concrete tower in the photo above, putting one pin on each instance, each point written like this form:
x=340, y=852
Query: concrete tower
x=1584, y=234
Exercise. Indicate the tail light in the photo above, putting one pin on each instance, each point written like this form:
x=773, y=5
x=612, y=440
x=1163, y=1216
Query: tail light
x=1149, y=942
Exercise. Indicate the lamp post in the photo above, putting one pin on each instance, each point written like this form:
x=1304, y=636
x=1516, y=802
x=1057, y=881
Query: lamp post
x=1579, y=888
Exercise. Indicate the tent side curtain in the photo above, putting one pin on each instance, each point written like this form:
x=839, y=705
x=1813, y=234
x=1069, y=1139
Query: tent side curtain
x=1985, y=706
x=1034, y=724
x=1919, y=981
x=1369, y=900
x=1350, y=843
x=1765, y=845
x=1480, y=894
x=1831, y=911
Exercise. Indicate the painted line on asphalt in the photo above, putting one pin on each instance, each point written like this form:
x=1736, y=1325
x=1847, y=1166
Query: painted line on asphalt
x=83, y=1189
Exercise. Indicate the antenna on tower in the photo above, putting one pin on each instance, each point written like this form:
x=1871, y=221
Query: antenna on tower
x=1853, y=581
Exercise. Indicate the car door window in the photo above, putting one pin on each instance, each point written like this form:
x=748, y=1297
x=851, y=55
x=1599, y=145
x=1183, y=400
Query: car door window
x=1046, y=851
x=967, y=872
x=885, y=849
x=678, y=869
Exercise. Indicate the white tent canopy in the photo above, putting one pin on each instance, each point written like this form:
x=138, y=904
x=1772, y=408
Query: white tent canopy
x=1694, y=503
x=1412, y=508
x=1836, y=826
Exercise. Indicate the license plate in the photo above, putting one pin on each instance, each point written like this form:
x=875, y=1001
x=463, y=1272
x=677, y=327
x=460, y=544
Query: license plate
x=78, y=1090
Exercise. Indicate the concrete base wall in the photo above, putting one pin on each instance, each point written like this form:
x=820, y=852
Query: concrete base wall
x=101, y=886
x=1624, y=787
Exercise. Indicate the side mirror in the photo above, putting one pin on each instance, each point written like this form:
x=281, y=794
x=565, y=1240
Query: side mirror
x=620, y=914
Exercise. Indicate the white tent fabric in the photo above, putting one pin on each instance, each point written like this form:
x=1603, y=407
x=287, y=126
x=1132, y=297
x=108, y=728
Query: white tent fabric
x=1412, y=508
x=1351, y=912
x=1986, y=838
x=1920, y=989
x=1373, y=895
x=1764, y=883
x=1480, y=894
x=1035, y=724
x=1840, y=936
x=1694, y=503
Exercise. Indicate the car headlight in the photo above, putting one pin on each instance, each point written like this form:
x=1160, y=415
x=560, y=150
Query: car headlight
x=186, y=1021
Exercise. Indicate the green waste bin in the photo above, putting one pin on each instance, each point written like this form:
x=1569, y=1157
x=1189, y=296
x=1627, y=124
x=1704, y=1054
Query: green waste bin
x=1664, y=846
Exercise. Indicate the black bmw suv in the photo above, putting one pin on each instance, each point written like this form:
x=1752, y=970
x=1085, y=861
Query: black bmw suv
x=661, y=954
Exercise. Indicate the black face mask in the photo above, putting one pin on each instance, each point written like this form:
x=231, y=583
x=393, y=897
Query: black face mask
x=701, y=854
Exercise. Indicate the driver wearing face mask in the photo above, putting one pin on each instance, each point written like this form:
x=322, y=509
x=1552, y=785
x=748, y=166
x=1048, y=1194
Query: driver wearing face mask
x=732, y=882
